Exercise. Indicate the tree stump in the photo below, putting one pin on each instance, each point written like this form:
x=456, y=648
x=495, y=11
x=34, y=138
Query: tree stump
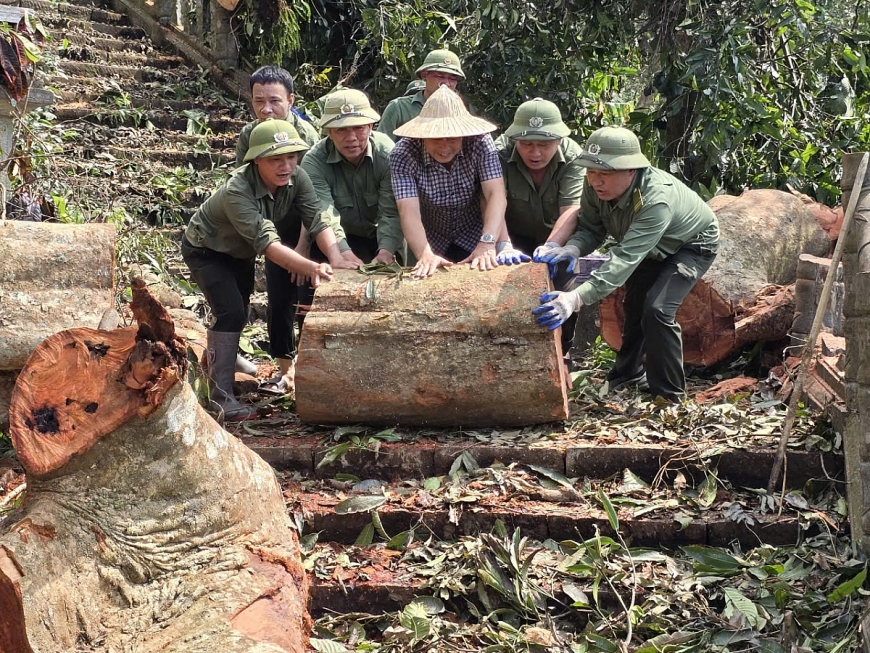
x=145, y=527
x=747, y=295
x=52, y=277
x=460, y=348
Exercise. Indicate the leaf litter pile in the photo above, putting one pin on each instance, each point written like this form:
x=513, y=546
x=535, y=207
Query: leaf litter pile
x=503, y=590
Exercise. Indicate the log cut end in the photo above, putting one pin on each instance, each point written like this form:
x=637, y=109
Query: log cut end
x=80, y=384
x=13, y=636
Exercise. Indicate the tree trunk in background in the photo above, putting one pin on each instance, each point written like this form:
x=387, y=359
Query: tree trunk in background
x=747, y=295
x=145, y=527
x=52, y=277
x=460, y=348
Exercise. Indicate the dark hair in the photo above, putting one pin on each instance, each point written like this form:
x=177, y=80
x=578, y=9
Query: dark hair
x=272, y=75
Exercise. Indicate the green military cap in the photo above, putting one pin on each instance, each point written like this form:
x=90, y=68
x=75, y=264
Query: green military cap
x=274, y=137
x=442, y=61
x=537, y=120
x=613, y=148
x=347, y=108
x=415, y=87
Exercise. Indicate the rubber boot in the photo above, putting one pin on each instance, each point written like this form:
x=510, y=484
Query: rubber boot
x=245, y=366
x=223, y=348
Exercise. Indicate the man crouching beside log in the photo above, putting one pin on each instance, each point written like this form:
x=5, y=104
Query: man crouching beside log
x=666, y=239
x=262, y=203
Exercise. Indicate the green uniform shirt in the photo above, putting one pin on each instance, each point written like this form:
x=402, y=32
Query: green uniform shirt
x=654, y=218
x=306, y=132
x=400, y=111
x=532, y=212
x=360, y=197
x=242, y=218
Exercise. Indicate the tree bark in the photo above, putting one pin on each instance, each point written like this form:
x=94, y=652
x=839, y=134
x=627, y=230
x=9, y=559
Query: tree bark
x=747, y=295
x=145, y=526
x=52, y=277
x=460, y=348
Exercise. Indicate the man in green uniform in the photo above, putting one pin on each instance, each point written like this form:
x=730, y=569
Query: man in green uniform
x=544, y=181
x=441, y=67
x=272, y=97
x=350, y=170
x=666, y=239
x=259, y=205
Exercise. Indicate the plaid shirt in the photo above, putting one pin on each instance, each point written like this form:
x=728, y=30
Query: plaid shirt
x=449, y=197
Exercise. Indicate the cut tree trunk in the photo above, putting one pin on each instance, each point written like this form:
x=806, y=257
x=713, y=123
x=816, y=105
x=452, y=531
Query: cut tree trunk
x=52, y=277
x=460, y=348
x=747, y=295
x=145, y=526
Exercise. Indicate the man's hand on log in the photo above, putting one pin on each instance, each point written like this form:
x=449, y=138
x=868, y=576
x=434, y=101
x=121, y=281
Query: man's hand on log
x=556, y=307
x=509, y=255
x=347, y=261
x=384, y=257
x=483, y=257
x=428, y=264
x=322, y=272
x=552, y=254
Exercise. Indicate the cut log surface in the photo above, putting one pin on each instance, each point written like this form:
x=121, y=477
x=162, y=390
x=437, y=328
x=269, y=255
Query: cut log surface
x=159, y=532
x=747, y=295
x=52, y=277
x=460, y=348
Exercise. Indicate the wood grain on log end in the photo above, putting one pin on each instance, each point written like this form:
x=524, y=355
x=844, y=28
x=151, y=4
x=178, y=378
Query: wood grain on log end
x=80, y=384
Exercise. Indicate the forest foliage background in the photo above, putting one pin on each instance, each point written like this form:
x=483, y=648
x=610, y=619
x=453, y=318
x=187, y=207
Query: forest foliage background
x=727, y=95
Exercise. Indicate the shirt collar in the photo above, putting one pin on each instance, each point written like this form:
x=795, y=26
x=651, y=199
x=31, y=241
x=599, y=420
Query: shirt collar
x=334, y=156
x=419, y=98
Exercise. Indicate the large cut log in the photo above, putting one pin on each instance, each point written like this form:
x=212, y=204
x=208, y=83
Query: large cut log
x=145, y=526
x=52, y=277
x=460, y=348
x=747, y=295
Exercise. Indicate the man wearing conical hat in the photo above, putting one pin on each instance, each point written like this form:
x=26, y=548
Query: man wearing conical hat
x=448, y=184
x=260, y=205
x=544, y=182
x=666, y=239
x=440, y=68
x=350, y=170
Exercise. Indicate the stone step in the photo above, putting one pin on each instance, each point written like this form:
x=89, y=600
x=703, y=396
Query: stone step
x=162, y=120
x=74, y=92
x=113, y=57
x=164, y=68
x=376, y=580
x=125, y=32
x=673, y=511
x=49, y=11
x=423, y=458
x=105, y=44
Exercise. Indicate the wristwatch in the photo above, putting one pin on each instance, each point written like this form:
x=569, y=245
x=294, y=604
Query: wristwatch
x=488, y=239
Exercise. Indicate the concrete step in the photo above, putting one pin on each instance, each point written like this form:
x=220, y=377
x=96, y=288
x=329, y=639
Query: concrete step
x=423, y=458
x=113, y=57
x=164, y=68
x=104, y=43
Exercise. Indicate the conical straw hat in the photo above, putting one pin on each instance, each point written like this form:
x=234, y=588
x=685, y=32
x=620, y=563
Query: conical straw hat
x=444, y=116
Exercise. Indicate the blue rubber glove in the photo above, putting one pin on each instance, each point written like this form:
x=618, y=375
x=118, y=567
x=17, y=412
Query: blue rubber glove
x=508, y=255
x=556, y=307
x=554, y=254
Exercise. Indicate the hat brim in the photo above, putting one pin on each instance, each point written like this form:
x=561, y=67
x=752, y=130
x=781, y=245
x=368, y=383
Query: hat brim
x=265, y=151
x=362, y=118
x=447, y=127
x=439, y=68
x=618, y=162
x=551, y=133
